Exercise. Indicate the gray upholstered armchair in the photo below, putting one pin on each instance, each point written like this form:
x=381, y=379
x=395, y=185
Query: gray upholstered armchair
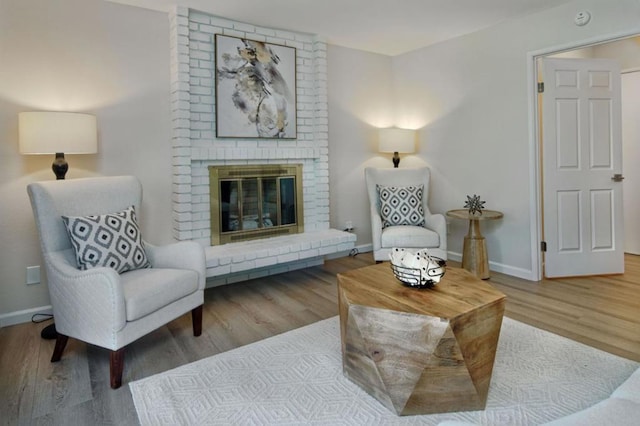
x=415, y=232
x=99, y=305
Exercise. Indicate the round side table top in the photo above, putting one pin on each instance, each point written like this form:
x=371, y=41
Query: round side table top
x=464, y=214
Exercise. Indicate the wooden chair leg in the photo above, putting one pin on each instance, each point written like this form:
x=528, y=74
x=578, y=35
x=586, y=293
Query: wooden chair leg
x=116, y=365
x=196, y=318
x=61, y=342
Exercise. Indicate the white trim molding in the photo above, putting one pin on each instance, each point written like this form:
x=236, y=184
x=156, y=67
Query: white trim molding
x=20, y=317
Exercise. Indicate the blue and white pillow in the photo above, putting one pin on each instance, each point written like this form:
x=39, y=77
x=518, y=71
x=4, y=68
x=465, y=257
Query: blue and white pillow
x=113, y=240
x=401, y=205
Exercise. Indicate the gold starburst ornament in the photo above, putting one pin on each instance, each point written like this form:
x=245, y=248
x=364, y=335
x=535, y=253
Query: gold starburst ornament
x=474, y=204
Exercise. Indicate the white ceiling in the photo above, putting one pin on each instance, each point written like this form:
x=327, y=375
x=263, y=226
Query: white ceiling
x=388, y=27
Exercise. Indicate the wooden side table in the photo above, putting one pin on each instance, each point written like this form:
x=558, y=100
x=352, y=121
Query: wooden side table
x=474, y=253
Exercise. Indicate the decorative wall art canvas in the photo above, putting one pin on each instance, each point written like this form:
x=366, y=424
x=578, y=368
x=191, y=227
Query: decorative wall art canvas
x=255, y=89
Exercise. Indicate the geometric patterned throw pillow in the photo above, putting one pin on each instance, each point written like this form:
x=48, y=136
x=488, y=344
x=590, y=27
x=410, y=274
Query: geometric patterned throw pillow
x=112, y=240
x=401, y=205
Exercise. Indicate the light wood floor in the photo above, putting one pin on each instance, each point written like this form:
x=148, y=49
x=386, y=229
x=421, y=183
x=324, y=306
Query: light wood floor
x=599, y=311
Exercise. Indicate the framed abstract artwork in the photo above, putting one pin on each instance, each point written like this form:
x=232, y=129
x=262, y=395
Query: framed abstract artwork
x=255, y=89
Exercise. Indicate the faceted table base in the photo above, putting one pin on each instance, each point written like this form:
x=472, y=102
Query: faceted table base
x=416, y=363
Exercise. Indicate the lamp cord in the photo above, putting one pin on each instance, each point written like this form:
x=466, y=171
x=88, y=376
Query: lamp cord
x=37, y=320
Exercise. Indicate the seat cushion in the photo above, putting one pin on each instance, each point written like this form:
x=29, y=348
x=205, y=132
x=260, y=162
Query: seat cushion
x=147, y=290
x=611, y=411
x=630, y=389
x=409, y=237
x=620, y=409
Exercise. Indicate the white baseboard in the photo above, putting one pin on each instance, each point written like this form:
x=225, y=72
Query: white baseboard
x=499, y=267
x=364, y=248
x=525, y=274
x=494, y=266
x=20, y=317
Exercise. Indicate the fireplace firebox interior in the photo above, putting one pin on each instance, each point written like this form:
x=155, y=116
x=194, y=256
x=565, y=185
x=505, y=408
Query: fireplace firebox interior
x=250, y=202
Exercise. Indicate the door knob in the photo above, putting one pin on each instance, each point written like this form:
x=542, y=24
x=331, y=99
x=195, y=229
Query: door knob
x=617, y=177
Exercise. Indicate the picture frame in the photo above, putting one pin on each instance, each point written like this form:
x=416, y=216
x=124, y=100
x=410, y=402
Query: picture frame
x=255, y=85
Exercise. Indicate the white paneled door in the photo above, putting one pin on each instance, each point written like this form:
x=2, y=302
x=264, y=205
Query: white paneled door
x=582, y=167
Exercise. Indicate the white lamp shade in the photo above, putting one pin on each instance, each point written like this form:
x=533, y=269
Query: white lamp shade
x=397, y=140
x=52, y=132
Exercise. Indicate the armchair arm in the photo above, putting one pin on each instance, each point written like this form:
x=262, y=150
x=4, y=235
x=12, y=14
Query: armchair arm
x=376, y=229
x=180, y=255
x=436, y=222
x=88, y=305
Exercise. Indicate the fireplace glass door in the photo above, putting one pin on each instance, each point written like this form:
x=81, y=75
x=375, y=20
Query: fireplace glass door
x=257, y=203
x=255, y=206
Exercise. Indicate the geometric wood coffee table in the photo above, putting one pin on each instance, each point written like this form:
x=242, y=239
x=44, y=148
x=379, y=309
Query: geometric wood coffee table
x=419, y=351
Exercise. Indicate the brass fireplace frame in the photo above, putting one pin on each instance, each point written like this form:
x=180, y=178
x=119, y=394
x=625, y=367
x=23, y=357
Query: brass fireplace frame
x=218, y=174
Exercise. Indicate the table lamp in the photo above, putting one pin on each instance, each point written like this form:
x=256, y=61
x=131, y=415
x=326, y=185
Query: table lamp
x=57, y=133
x=397, y=140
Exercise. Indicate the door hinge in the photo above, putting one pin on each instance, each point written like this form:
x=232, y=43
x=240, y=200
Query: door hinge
x=543, y=246
x=541, y=87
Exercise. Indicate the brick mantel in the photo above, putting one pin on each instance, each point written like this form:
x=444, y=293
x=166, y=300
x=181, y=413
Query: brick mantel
x=194, y=145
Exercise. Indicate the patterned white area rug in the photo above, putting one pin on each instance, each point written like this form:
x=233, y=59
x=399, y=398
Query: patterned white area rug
x=296, y=378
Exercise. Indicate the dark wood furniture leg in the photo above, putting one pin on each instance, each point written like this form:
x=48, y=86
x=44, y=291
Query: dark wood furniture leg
x=196, y=318
x=61, y=342
x=116, y=358
x=116, y=365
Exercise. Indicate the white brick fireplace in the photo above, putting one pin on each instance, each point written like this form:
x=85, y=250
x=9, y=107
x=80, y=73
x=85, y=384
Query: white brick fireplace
x=195, y=147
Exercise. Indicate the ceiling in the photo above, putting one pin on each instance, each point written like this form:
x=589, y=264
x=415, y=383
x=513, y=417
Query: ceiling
x=388, y=27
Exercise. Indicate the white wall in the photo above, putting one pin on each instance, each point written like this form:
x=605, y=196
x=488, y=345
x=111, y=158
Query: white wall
x=84, y=56
x=361, y=100
x=472, y=97
x=626, y=51
x=468, y=96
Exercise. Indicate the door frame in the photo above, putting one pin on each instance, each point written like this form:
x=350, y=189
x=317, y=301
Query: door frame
x=535, y=163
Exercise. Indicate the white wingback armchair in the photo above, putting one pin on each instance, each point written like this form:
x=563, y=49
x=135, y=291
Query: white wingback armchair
x=100, y=306
x=432, y=236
